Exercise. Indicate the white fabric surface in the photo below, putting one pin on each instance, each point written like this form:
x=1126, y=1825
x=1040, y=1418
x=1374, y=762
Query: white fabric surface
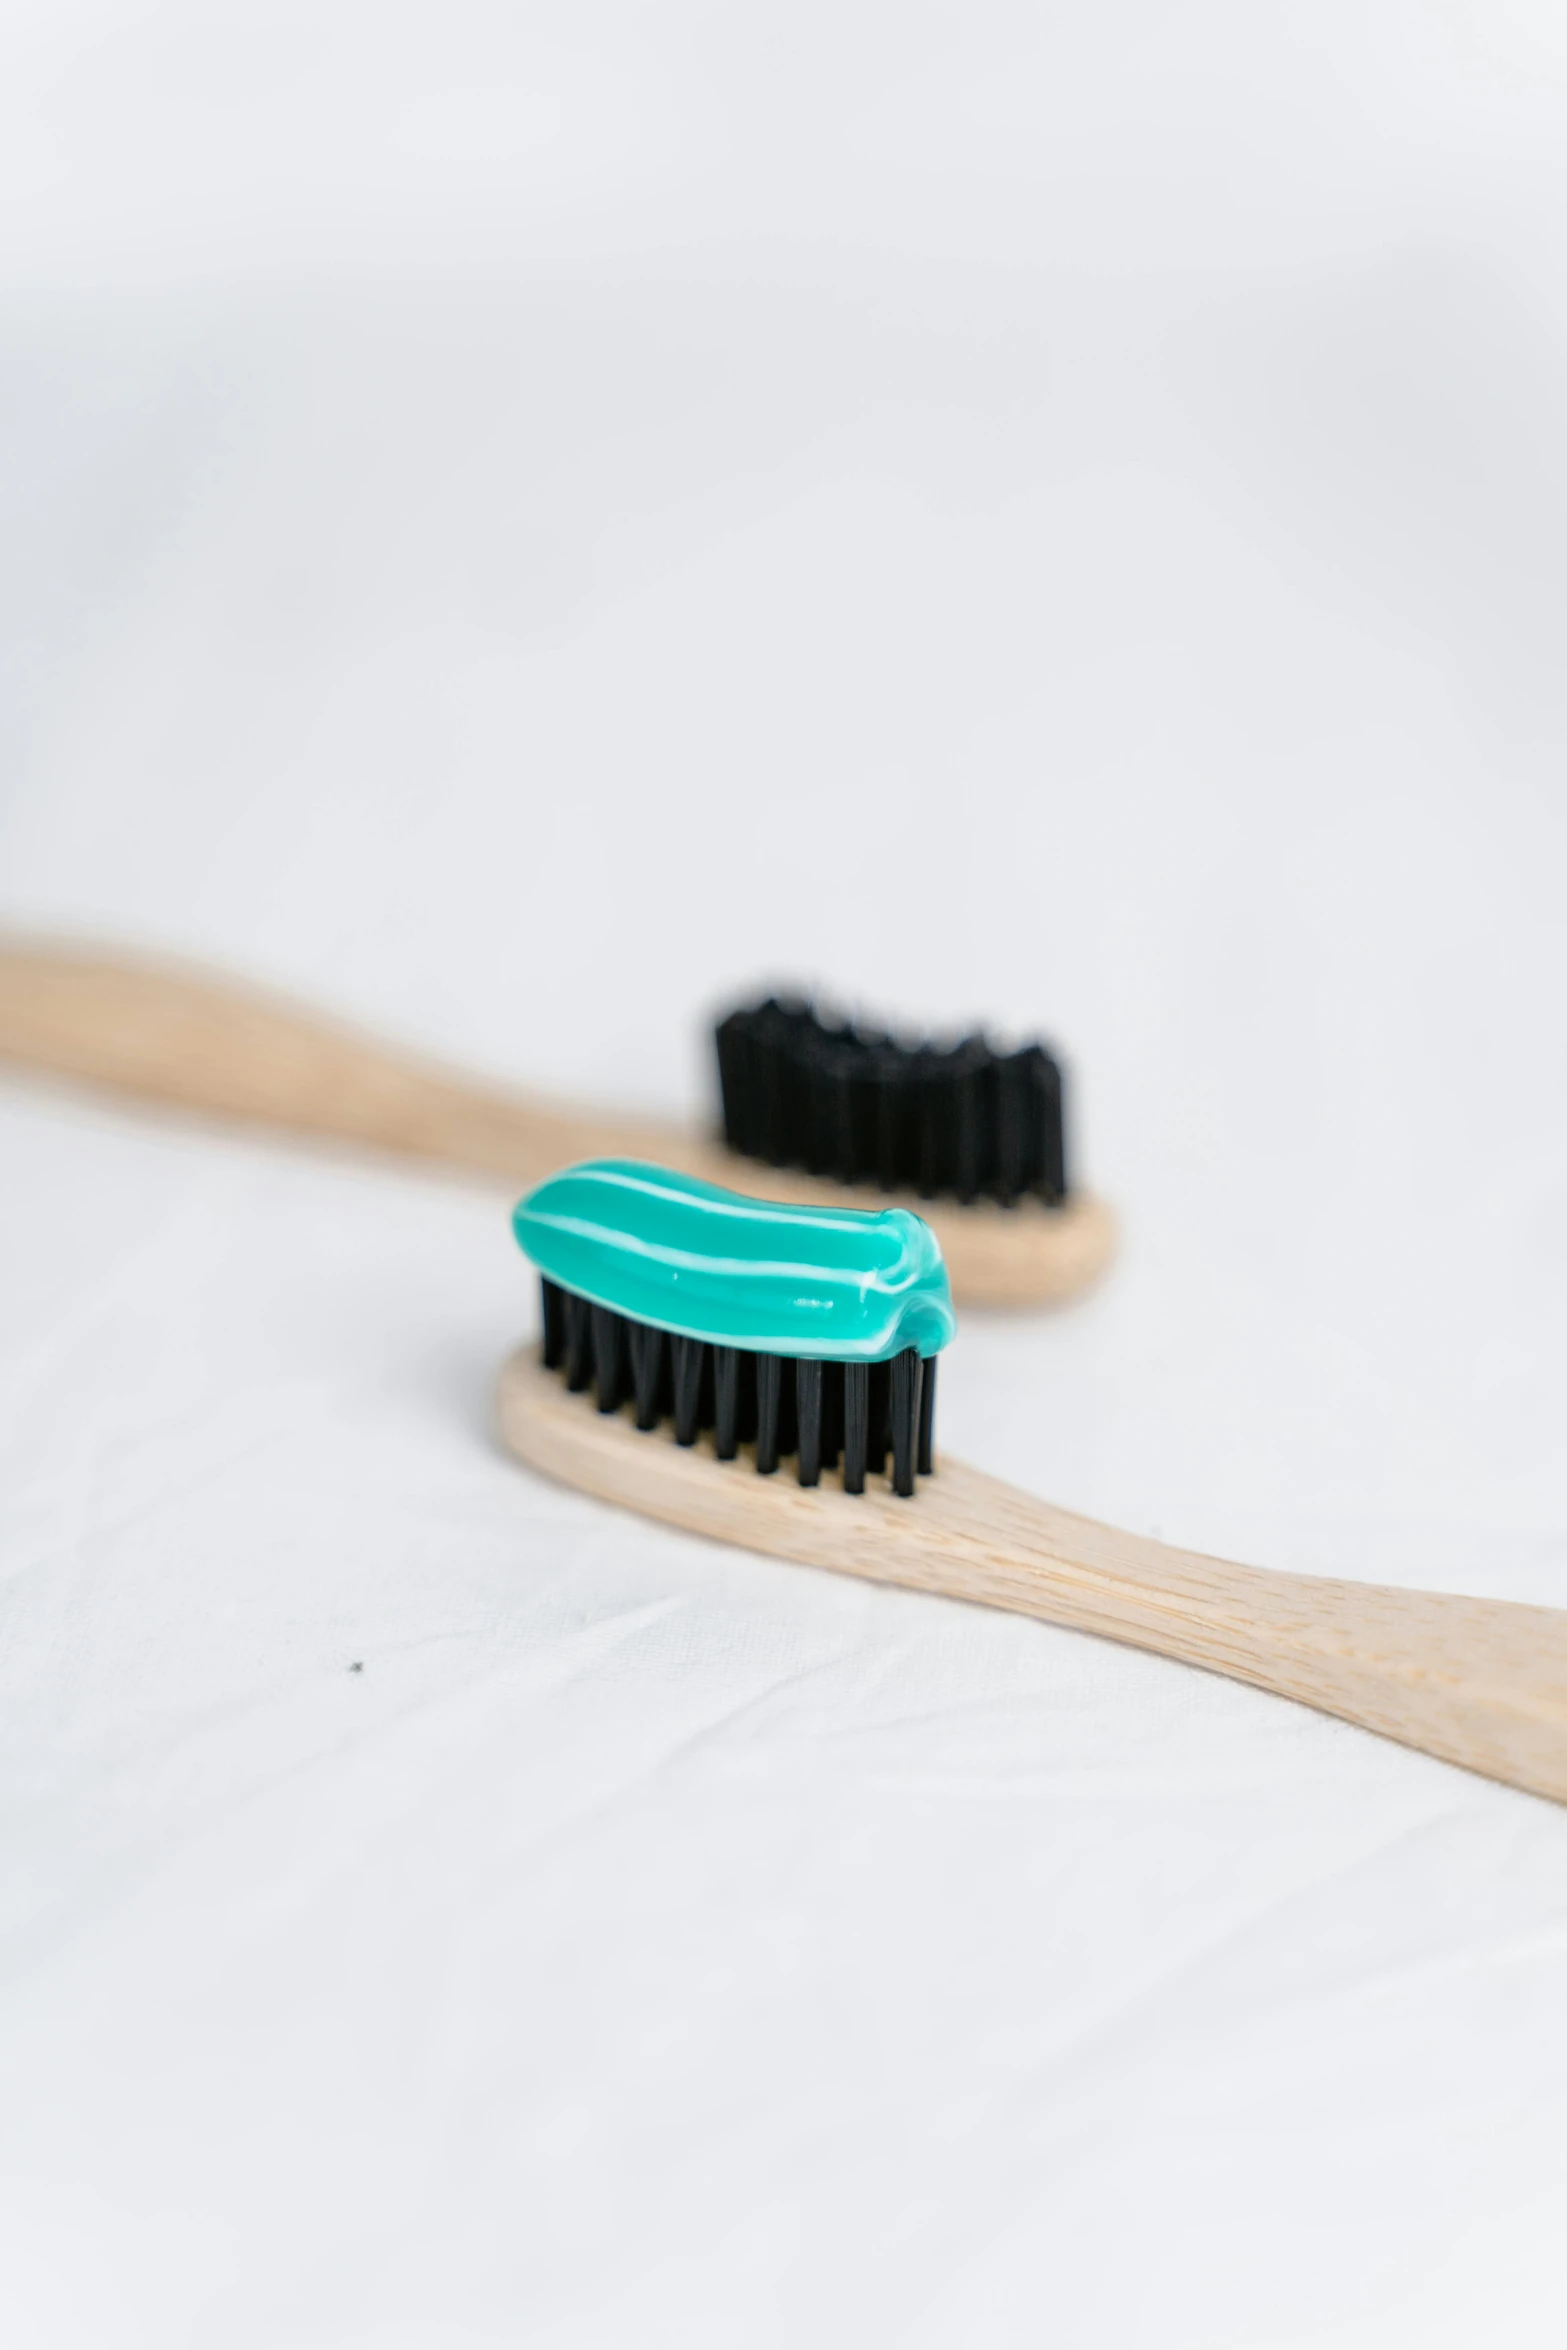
x=511, y=524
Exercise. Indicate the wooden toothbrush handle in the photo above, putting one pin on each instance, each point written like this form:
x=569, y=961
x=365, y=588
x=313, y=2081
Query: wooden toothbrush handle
x=163, y=1034
x=1480, y=1682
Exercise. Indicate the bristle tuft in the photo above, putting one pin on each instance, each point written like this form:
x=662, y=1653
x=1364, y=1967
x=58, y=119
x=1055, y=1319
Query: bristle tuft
x=579, y=1342
x=859, y=1106
x=808, y=1406
x=552, y=1301
x=856, y=1420
x=769, y=1387
x=784, y=1406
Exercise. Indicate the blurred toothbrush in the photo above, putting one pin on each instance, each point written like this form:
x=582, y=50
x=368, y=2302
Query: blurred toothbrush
x=818, y=1112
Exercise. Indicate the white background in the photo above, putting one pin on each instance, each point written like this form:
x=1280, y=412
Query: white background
x=513, y=522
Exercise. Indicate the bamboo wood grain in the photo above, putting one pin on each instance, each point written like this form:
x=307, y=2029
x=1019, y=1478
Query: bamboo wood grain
x=1478, y=1682
x=188, y=1040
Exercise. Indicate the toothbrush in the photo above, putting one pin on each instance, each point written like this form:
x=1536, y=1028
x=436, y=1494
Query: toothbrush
x=794, y=1090
x=767, y=1330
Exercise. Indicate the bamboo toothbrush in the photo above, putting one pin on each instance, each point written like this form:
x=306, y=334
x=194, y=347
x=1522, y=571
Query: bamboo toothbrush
x=174, y=1036
x=764, y=1331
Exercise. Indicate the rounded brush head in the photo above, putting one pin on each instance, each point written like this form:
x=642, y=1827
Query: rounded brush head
x=804, y=1331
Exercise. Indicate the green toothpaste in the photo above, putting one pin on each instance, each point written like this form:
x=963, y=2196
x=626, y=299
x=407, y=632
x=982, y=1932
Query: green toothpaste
x=838, y=1285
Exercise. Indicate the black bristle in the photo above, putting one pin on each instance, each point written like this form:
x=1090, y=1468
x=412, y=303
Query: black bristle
x=804, y=1406
x=647, y=1363
x=726, y=1401
x=1009, y=1121
x=734, y=1077
x=905, y=1418
x=888, y=1098
x=666, y=1377
x=926, y=1460
x=856, y=1403
x=769, y=1384
x=608, y=1331
x=746, y=1427
x=688, y=1353
x=579, y=1342
x=788, y=1417
x=832, y=1414
x=876, y=1421
x=552, y=1300
x=929, y=1106
x=860, y=1106
x=808, y=1408
x=1043, y=1077
x=844, y=1150
x=968, y=1139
